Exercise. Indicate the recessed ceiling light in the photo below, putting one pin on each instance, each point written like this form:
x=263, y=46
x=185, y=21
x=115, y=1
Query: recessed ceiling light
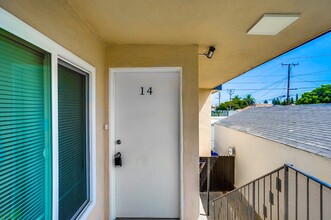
x=272, y=24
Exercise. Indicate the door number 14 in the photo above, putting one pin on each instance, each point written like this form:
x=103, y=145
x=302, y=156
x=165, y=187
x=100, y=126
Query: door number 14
x=149, y=91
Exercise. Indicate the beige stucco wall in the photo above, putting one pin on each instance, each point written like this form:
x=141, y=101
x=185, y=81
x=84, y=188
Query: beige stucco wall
x=255, y=156
x=204, y=122
x=58, y=21
x=173, y=56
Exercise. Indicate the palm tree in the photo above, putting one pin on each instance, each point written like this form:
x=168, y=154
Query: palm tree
x=249, y=99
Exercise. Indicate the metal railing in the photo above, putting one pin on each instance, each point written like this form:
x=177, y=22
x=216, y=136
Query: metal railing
x=283, y=194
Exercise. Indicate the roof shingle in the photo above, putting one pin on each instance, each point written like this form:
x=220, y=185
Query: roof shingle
x=306, y=127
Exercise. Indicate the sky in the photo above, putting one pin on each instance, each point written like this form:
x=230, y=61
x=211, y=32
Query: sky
x=269, y=80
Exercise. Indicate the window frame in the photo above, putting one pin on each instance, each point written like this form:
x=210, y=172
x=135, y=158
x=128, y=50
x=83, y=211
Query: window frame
x=87, y=127
x=18, y=28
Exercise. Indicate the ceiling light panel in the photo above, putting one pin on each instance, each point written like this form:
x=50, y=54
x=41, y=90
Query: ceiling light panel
x=272, y=24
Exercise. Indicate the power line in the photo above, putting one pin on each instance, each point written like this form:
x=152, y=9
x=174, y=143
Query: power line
x=312, y=80
x=320, y=72
x=306, y=57
x=264, y=71
x=298, y=91
x=258, y=76
x=307, y=81
x=302, y=80
x=263, y=88
x=302, y=90
x=249, y=82
x=315, y=73
x=253, y=89
x=272, y=89
x=275, y=97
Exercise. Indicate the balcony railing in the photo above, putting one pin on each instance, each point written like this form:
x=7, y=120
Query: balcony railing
x=283, y=194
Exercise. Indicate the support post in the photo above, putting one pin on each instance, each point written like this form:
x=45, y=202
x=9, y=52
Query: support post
x=208, y=184
x=286, y=180
x=289, y=68
x=253, y=201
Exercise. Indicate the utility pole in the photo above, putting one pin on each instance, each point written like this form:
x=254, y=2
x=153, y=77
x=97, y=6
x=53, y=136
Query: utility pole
x=219, y=98
x=231, y=92
x=289, y=69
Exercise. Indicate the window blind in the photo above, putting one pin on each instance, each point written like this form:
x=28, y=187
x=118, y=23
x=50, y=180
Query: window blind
x=73, y=139
x=25, y=130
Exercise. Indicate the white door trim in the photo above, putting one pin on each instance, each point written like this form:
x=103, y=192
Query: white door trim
x=112, y=72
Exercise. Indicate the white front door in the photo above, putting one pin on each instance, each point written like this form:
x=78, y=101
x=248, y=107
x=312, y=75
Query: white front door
x=147, y=132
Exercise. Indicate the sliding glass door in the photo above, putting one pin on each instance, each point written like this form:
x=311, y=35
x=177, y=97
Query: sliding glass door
x=25, y=130
x=45, y=167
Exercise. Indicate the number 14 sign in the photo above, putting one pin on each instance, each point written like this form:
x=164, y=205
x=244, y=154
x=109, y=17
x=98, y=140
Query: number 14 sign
x=149, y=91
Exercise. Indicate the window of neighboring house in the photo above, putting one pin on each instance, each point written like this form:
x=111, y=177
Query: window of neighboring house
x=47, y=130
x=73, y=140
x=25, y=130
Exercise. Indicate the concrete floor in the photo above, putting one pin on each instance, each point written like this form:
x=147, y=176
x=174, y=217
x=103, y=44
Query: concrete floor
x=203, y=205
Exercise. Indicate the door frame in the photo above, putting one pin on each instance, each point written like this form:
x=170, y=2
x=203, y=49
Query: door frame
x=112, y=132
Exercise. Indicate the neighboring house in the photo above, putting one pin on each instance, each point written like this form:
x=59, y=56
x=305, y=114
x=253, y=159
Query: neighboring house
x=86, y=86
x=264, y=138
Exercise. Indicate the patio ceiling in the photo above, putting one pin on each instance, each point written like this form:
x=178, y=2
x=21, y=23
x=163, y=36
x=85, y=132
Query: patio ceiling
x=222, y=23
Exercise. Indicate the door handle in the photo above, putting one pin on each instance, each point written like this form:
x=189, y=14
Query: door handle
x=118, y=142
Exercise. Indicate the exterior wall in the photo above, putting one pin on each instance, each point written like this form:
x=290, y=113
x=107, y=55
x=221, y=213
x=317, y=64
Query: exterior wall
x=204, y=122
x=173, y=56
x=256, y=156
x=58, y=21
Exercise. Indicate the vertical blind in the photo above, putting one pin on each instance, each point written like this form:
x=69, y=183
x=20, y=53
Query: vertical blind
x=73, y=147
x=25, y=131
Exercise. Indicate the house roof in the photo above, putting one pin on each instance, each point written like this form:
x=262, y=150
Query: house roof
x=305, y=127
